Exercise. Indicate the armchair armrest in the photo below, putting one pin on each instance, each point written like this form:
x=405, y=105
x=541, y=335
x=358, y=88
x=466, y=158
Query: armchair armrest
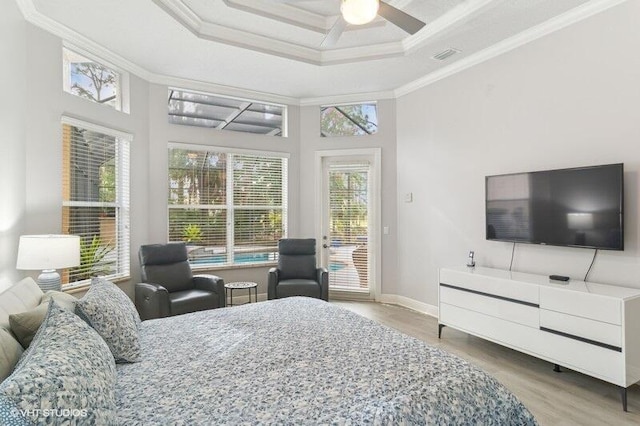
x=323, y=280
x=211, y=283
x=152, y=301
x=274, y=277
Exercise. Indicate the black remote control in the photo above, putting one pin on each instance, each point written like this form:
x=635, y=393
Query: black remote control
x=558, y=278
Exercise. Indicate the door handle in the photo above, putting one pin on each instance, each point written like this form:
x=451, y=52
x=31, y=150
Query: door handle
x=325, y=246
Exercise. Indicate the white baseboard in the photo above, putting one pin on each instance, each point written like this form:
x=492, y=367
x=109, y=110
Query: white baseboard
x=407, y=302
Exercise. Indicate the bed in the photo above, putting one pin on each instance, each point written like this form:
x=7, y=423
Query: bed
x=301, y=361
x=286, y=361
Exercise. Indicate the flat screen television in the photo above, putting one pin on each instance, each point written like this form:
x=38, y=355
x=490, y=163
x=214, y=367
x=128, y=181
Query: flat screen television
x=579, y=207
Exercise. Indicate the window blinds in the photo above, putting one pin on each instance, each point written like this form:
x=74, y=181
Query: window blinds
x=349, y=225
x=229, y=207
x=95, y=206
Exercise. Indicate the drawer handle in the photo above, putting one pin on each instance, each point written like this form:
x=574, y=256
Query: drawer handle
x=481, y=293
x=582, y=339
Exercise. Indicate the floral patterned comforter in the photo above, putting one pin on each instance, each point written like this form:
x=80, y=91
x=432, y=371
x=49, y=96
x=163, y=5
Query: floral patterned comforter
x=301, y=361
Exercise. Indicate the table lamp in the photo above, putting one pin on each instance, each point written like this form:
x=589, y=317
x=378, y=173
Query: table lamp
x=48, y=253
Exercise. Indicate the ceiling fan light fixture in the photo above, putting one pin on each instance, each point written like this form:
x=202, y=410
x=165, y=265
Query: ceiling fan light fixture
x=359, y=12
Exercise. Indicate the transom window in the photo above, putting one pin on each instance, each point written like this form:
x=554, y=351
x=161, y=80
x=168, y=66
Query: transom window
x=95, y=199
x=229, y=207
x=349, y=120
x=92, y=80
x=224, y=113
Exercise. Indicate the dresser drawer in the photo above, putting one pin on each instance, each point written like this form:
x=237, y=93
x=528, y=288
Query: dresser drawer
x=596, y=361
x=508, y=289
x=603, y=363
x=499, y=308
x=506, y=333
x=581, y=304
x=582, y=328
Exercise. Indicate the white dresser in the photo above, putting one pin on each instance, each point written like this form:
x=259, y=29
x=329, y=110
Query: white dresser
x=587, y=327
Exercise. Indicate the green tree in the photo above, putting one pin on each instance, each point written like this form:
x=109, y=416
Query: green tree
x=199, y=178
x=101, y=87
x=348, y=203
x=348, y=120
x=92, y=259
x=192, y=233
x=108, y=181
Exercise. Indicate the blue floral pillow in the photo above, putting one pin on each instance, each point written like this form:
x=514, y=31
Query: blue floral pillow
x=67, y=376
x=113, y=315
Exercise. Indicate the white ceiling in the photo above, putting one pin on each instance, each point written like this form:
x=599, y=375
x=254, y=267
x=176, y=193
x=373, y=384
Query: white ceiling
x=273, y=47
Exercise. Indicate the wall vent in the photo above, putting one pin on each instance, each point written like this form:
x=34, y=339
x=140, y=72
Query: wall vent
x=445, y=54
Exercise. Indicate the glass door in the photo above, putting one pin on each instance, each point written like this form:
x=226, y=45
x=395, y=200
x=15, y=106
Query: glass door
x=346, y=236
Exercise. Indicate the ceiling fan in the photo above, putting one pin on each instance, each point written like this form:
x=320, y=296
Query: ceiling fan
x=360, y=12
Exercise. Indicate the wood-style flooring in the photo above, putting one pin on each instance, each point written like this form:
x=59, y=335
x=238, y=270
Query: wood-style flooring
x=566, y=398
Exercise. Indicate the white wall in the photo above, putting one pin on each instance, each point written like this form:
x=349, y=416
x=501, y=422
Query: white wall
x=12, y=142
x=36, y=171
x=569, y=99
x=385, y=138
x=31, y=169
x=47, y=103
x=566, y=100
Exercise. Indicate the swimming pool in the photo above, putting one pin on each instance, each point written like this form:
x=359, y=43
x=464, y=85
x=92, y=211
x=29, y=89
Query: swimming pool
x=335, y=267
x=221, y=259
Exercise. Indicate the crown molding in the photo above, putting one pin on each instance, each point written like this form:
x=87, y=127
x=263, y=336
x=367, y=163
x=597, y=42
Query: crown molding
x=38, y=19
x=182, y=13
x=346, y=99
x=552, y=25
x=72, y=37
x=87, y=46
x=374, y=51
x=283, y=12
x=293, y=15
x=314, y=22
x=260, y=43
x=220, y=89
x=264, y=44
x=445, y=22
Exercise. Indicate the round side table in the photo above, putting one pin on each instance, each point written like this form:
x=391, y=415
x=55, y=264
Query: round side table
x=240, y=285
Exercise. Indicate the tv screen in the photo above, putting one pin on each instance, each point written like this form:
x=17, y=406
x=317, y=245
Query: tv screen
x=580, y=207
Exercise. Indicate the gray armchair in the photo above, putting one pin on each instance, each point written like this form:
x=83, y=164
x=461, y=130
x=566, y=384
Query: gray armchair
x=170, y=288
x=297, y=274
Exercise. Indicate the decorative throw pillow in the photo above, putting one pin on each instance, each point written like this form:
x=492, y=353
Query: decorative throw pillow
x=64, y=300
x=113, y=315
x=25, y=324
x=10, y=351
x=66, y=377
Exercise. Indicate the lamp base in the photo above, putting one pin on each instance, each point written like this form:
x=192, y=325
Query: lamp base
x=49, y=279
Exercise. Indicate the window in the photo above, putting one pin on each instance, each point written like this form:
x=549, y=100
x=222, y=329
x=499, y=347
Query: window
x=92, y=80
x=95, y=201
x=348, y=120
x=219, y=112
x=230, y=207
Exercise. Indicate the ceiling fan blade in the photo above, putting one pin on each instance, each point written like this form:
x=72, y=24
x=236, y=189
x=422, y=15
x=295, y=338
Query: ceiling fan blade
x=334, y=33
x=400, y=19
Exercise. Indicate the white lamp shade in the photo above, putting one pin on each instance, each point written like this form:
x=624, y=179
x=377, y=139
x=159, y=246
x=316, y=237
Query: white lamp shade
x=38, y=252
x=358, y=12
